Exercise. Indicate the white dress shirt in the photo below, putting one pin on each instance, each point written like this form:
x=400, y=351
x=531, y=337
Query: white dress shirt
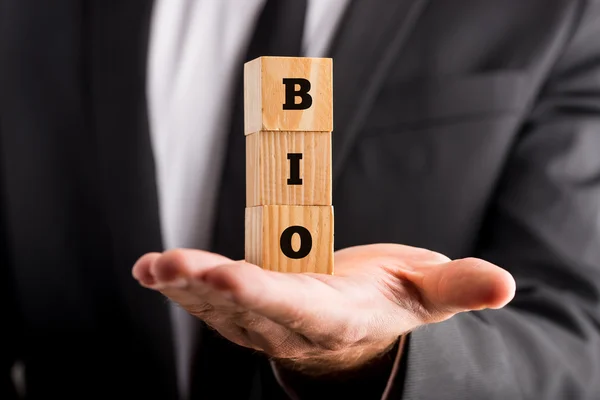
x=196, y=48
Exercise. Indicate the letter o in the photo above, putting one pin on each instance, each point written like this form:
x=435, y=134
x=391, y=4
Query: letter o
x=285, y=242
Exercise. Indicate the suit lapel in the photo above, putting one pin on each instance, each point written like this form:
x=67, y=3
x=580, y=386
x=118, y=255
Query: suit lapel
x=368, y=41
x=116, y=64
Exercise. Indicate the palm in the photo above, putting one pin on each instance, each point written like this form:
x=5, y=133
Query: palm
x=378, y=292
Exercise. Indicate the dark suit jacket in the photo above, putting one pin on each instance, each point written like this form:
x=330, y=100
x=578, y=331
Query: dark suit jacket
x=468, y=127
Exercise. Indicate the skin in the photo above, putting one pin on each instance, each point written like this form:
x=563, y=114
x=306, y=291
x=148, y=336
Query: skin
x=326, y=323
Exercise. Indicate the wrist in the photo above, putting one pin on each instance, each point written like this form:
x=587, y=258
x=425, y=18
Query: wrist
x=345, y=364
x=367, y=379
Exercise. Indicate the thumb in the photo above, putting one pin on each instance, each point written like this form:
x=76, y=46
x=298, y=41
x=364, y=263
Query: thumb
x=464, y=285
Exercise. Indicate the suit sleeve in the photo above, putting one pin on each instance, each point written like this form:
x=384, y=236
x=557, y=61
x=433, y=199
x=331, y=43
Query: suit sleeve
x=544, y=227
x=369, y=382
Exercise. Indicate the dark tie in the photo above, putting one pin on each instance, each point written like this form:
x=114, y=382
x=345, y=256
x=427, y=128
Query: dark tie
x=222, y=370
x=278, y=32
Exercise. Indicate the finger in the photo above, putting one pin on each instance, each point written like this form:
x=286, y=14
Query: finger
x=292, y=300
x=463, y=285
x=175, y=265
x=177, y=274
x=174, y=274
x=183, y=269
x=174, y=268
x=141, y=269
x=407, y=253
x=353, y=260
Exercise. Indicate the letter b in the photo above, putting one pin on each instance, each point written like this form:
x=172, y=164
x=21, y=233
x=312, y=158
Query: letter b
x=288, y=94
x=294, y=88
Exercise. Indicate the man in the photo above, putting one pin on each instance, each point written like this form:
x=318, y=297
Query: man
x=464, y=130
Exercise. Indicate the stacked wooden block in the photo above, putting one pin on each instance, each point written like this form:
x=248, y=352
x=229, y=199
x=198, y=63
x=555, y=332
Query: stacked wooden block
x=288, y=125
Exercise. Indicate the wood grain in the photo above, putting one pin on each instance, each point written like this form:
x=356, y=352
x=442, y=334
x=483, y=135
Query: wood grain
x=264, y=94
x=268, y=168
x=265, y=226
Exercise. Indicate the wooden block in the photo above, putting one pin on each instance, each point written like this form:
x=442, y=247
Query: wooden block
x=290, y=238
x=288, y=168
x=288, y=94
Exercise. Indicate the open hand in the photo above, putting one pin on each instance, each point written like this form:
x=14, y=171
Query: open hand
x=378, y=293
